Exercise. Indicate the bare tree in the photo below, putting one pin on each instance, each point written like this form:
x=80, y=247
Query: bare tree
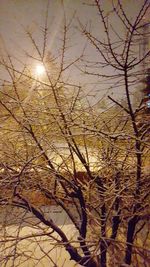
x=58, y=149
x=118, y=53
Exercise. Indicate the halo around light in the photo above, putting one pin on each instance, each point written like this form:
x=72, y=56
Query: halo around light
x=40, y=69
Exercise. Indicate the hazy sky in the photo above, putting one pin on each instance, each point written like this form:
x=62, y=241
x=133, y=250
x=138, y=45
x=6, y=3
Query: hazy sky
x=18, y=15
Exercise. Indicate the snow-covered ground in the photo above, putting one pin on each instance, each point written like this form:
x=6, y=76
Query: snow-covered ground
x=33, y=244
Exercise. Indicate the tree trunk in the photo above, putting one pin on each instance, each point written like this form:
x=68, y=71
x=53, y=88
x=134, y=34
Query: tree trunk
x=130, y=238
x=103, y=244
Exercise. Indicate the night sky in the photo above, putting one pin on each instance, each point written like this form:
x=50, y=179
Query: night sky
x=17, y=16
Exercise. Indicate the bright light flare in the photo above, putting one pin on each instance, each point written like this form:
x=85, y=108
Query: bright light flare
x=40, y=69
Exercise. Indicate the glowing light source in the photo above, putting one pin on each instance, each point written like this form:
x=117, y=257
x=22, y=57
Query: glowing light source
x=40, y=69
